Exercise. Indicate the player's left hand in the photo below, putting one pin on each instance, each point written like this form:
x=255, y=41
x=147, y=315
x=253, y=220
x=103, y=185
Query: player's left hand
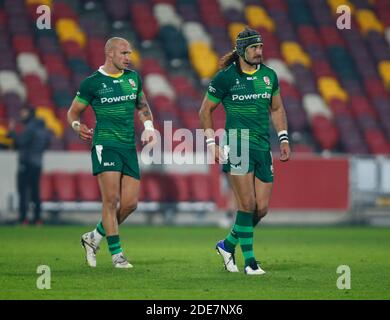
x=284, y=151
x=85, y=133
x=149, y=137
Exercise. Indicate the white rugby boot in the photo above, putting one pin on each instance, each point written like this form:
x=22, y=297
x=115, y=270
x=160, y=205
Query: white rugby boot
x=90, y=247
x=228, y=258
x=120, y=261
x=254, y=269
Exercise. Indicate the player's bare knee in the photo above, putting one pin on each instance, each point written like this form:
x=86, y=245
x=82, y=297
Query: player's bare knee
x=262, y=211
x=129, y=208
x=248, y=206
x=111, y=202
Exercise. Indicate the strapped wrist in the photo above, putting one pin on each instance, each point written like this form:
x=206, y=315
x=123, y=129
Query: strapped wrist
x=283, y=136
x=210, y=141
x=75, y=125
x=148, y=124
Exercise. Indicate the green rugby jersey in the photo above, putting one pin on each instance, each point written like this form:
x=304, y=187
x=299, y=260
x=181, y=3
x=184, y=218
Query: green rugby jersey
x=246, y=99
x=113, y=100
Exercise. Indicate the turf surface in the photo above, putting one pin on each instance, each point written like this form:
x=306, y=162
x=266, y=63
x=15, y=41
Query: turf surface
x=181, y=263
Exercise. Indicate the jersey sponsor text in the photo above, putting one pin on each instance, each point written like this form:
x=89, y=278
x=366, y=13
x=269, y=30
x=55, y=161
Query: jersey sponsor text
x=242, y=97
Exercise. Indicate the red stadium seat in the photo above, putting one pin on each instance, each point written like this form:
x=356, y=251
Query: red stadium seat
x=308, y=36
x=191, y=119
x=339, y=107
x=153, y=187
x=331, y=36
x=78, y=146
x=288, y=89
x=63, y=10
x=3, y=111
x=64, y=186
x=325, y=132
x=23, y=43
x=360, y=105
x=142, y=192
x=62, y=115
x=55, y=64
x=171, y=193
x=376, y=141
x=375, y=88
x=46, y=186
x=67, y=64
x=87, y=186
x=211, y=13
x=150, y=65
x=302, y=148
x=182, y=187
x=280, y=5
x=3, y=18
x=200, y=187
x=141, y=12
x=219, y=118
x=95, y=47
x=163, y=103
x=322, y=68
x=32, y=80
x=171, y=2
x=183, y=86
x=73, y=50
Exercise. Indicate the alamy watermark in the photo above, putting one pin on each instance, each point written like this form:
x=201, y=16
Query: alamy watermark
x=344, y=20
x=233, y=143
x=344, y=280
x=44, y=20
x=44, y=280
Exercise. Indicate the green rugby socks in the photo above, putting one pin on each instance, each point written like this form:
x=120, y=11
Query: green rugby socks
x=114, y=244
x=232, y=239
x=244, y=229
x=100, y=229
x=98, y=233
x=242, y=233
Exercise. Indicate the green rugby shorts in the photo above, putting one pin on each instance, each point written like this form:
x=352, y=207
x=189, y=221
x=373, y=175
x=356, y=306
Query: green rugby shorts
x=123, y=160
x=257, y=161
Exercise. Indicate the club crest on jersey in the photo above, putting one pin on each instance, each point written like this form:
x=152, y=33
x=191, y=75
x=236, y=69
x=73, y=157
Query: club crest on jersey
x=104, y=85
x=132, y=83
x=267, y=80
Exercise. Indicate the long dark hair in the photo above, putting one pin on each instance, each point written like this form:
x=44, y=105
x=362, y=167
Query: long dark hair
x=228, y=59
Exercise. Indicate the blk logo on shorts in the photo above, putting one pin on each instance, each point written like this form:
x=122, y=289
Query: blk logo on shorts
x=108, y=164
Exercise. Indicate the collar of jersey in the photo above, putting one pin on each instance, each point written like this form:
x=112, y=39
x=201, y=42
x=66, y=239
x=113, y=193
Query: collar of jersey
x=117, y=75
x=252, y=72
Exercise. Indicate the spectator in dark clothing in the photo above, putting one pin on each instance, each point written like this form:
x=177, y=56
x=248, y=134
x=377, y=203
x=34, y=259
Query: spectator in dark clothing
x=31, y=144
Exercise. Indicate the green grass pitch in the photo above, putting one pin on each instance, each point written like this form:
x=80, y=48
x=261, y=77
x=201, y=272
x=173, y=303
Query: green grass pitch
x=181, y=263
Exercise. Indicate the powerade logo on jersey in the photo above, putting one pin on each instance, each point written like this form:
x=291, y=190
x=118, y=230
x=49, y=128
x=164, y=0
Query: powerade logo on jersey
x=127, y=97
x=242, y=97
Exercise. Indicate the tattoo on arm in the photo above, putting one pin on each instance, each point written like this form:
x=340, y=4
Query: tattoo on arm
x=146, y=113
x=143, y=109
x=142, y=103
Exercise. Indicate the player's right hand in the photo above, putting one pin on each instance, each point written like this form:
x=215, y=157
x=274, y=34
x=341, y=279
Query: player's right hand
x=149, y=137
x=217, y=153
x=85, y=133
